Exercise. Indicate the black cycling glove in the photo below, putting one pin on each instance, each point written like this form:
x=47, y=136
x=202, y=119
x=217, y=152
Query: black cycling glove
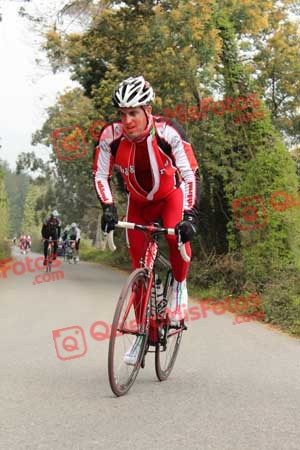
x=109, y=218
x=187, y=228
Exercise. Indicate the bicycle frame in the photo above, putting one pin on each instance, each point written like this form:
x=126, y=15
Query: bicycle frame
x=50, y=247
x=50, y=242
x=147, y=263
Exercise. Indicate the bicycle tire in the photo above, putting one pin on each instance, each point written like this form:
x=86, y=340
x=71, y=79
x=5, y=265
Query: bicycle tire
x=137, y=280
x=49, y=256
x=70, y=255
x=171, y=339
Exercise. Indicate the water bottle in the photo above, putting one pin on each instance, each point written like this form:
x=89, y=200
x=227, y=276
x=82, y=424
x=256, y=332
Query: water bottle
x=153, y=296
x=156, y=294
x=160, y=302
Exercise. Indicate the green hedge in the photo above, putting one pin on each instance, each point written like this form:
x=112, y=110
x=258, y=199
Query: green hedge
x=5, y=249
x=222, y=277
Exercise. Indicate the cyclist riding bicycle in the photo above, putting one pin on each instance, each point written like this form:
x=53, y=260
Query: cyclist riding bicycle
x=64, y=235
x=63, y=238
x=28, y=242
x=22, y=242
x=73, y=234
x=160, y=171
x=51, y=228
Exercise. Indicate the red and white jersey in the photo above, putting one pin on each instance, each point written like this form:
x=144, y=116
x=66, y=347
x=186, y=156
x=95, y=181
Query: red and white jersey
x=169, y=159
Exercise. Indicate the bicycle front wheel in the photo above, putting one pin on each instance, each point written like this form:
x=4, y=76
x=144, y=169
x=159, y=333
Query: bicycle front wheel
x=49, y=258
x=130, y=327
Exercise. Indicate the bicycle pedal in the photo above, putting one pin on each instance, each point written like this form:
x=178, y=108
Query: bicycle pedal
x=182, y=325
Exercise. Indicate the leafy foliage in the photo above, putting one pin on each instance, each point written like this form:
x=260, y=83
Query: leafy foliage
x=3, y=217
x=191, y=51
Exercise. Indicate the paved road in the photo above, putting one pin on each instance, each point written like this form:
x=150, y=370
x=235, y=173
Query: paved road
x=234, y=387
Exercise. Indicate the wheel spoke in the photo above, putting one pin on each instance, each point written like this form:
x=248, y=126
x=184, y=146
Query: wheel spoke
x=129, y=331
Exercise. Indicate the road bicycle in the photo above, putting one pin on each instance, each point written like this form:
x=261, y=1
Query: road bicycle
x=70, y=253
x=24, y=249
x=50, y=252
x=138, y=314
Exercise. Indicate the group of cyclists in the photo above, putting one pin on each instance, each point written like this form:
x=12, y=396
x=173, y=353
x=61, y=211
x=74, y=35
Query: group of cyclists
x=69, y=237
x=24, y=243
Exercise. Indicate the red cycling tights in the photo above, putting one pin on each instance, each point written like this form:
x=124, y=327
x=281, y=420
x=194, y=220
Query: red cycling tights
x=170, y=211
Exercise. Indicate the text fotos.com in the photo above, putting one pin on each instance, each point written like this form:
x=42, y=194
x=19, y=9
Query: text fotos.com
x=31, y=265
x=70, y=342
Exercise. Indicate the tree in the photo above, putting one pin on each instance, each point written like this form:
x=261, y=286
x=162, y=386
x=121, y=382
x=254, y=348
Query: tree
x=279, y=79
x=16, y=186
x=194, y=53
x=31, y=222
x=3, y=217
x=73, y=185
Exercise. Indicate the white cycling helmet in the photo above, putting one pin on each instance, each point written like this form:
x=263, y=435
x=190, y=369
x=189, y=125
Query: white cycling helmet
x=73, y=225
x=132, y=92
x=54, y=213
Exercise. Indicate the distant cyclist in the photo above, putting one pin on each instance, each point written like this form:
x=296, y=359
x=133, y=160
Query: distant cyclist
x=51, y=228
x=28, y=243
x=74, y=235
x=64, y=235
x=22, y=242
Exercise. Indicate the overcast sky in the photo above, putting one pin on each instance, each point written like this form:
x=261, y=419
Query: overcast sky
x=26, y=89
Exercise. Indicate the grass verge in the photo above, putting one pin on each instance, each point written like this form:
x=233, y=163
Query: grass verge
x=280, y=300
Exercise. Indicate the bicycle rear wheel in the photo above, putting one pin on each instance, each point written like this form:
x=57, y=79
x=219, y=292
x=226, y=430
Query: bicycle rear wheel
x=129, y=323
x=166, y=350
